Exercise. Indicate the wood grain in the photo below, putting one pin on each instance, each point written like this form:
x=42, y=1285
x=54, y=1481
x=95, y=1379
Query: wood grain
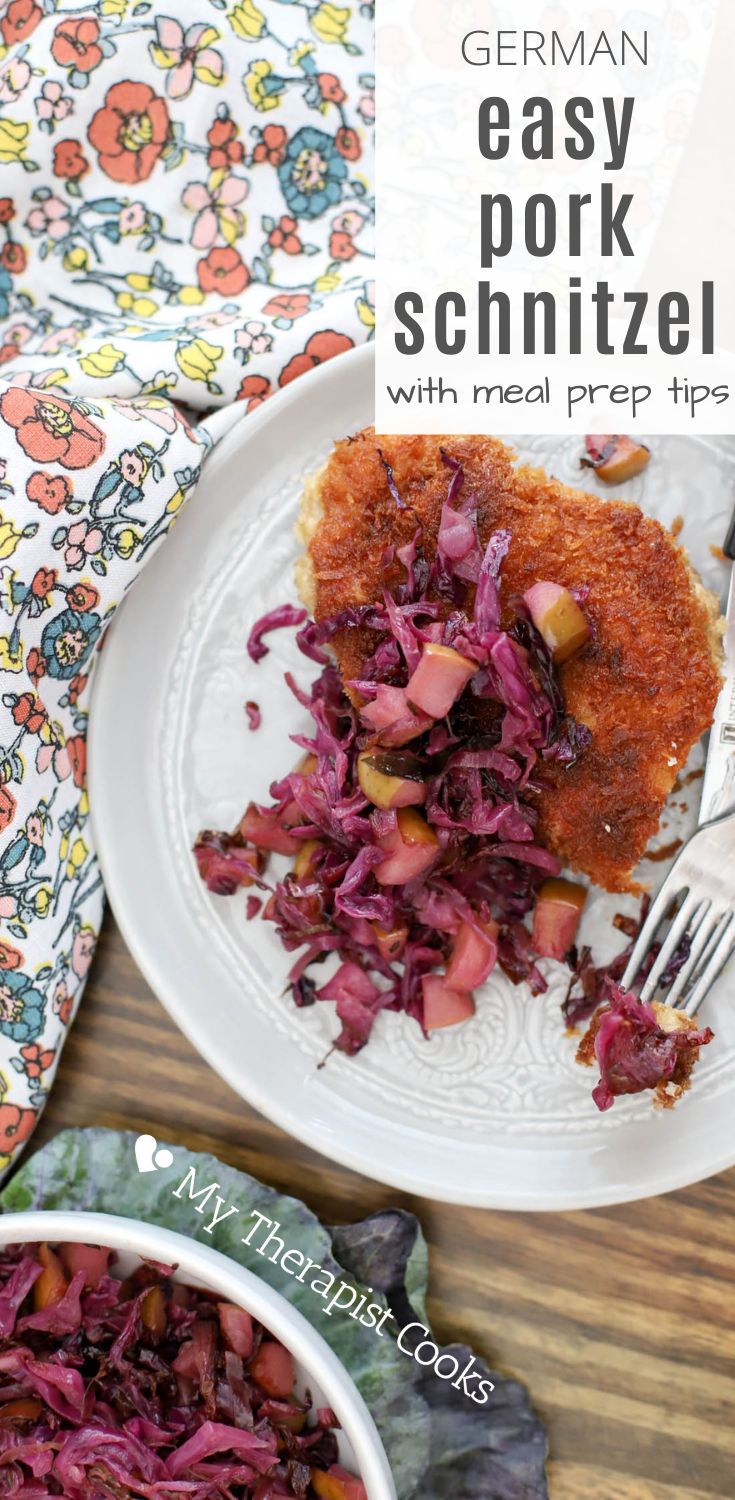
x=620, y=1321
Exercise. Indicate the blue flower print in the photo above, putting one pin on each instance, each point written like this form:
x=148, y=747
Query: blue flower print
x=312, y=173
x=6, y=287
x=21, y=1008
x=68, y=640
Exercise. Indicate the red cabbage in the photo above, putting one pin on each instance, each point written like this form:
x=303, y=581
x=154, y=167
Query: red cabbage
x=478, y=765
x=226, y=862
x=634, y=1053
x=276, y=619
x=135, y=1388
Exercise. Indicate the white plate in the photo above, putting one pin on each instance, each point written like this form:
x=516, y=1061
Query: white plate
x=495, y=1112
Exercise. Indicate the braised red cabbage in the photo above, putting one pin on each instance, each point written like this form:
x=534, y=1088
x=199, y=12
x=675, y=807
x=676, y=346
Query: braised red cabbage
x=633, y=1051
x=144, y=1387
x=479, y=765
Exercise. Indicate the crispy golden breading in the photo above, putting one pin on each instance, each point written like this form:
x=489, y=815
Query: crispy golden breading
x=647, y=682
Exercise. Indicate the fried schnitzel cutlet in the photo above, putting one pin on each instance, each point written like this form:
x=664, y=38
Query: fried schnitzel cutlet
x=646, y=683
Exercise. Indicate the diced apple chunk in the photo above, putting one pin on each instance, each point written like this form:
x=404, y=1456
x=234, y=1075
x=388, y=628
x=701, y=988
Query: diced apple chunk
x=441, y=675
x=337, y=1483
x=615, y=458
x=52, y=1283
x=390, y=717
x=391, y=778
x=474, y=955
x=304, y=861
x=93, y=1260
x=390, y=943
x=556, y=917
x=266, y=832
x=410, y=847
x=444, y=1006
x=237, y=1328
x=558, y=618
x=273, y=1368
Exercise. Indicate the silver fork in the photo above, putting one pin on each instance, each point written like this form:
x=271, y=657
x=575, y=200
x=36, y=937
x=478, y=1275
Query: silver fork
x=700, y=887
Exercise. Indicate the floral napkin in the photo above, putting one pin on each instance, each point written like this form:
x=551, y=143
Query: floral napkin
x=186, y=217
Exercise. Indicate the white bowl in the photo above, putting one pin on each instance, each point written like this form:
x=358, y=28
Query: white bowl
x=317, y=1368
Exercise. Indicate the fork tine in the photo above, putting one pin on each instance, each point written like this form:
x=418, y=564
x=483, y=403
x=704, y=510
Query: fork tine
x=698, y=953
x=669, y=892
x=689, y=911
x=721, y=952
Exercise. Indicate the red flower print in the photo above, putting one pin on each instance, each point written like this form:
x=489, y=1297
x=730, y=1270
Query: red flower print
x=272, y=146
x=16, y=1124
x=77, y=751
x=51, y=430
x=69, y=160
x=35, y=665
x=76, y=44
x=284, y=238
x=223, y=271
x=8, y=808
x=36, y=1060
x=129, y=132
x=10, y=957
x=29, y=711
x=43, y=582
x=331, y=88
x=289, y=305
x=50, y=491
x=76, y=688
x=320, y=347
x=20, y=19
x=254, y=389
x=224, y=149
x=341, y=246
x=62, y=1003
x=7, y=209
x=13, y=258
x=347, y=142
x=82, y=596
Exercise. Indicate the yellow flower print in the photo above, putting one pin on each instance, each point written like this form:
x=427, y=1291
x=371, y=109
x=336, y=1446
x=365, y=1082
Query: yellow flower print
x=83, y=808
x=77, y=855
x=115, y=8
x=329, y=22
x=42, y=900
x=13, y=140
x=247, y=21
x=299, y=52
x=10, y=537
x=103, y=362
x=190, y=296
x=76, y=259
x=260, y=92
x=143, y=307
x=10, y=660
x=176, y=501
x=328, y=282
x=198, y=360
x=127, y=542
x=365, y=313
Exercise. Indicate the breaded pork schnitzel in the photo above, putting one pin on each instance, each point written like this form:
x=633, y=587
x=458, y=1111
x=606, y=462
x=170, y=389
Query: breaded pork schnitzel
x=645, y=684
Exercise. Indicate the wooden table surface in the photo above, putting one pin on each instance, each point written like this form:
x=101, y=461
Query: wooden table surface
x=620, y=1321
